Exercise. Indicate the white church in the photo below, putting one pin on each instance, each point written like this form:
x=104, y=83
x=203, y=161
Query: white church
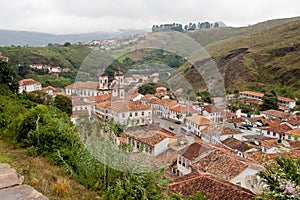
x=114, y=87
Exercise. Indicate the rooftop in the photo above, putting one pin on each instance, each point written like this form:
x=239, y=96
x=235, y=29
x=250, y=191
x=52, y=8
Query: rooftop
x=200, y=120
x=28, y=81
x=83, y=85
x=258, y=94
x=210, y=186
x=277, y=113
x=194, y=150
x=236, y=144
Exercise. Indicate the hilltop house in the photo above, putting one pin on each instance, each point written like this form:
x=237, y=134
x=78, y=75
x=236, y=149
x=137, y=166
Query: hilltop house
x=29, y=85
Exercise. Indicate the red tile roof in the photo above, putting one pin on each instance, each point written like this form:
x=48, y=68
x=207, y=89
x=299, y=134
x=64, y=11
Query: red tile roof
x=236, y=144
x=224, y=164
x=210, y=186
x=281, y=129
x=258, y=94
x=211, y=108
x=183, y=109
x=100, y=98
x=295, y=132
x=277, y=113
x=84, y=85
x=200, y=120
x=28, y=81
x=285, y=99
x=195, y=150
x=147, y=134
x=124, y=106
x=238, y=120
x=294, y=122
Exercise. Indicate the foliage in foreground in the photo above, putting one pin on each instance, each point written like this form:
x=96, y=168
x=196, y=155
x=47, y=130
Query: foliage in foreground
x=45, y=130
x=283, y=178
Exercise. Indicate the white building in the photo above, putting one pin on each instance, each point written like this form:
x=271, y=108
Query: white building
x=197, y=123
x=130, y=113
x=150, y=140
x=29, y=85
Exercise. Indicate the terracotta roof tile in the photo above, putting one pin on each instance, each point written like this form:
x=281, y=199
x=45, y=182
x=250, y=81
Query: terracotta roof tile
x=183, y=109
x=84, y=85
x=252, y=93
x=28, y=81
x=277, y=113
x=236, y=144
x=238, y=120
x=285, y=99
x=210, y=186
x=223, y=164
x=211, y=108
x=200, y=120
x=151, y=135
x=295, y=132
x=281, y=128
x=195, y=150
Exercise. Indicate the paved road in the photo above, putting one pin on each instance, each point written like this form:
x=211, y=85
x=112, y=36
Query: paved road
x=167, y=124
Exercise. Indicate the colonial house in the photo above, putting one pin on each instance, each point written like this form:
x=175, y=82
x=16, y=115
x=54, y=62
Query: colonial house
x=282, y=101
x=212, y=112
x=215, y=133
x=83, y=89
x=160, y=107
x=293, y=123
x=189, y=156
x=230, y=167
x=50, y=90
x=29, y=85
x=152, y=139
x=180, y=112
x=293, y=134
x=251, y=95
x=4, y=58
x=236, y=145
x=210, y=186
x=195, y=124
x=130, y=113
x=271, y=114
x=277, y=131
x=286, y=102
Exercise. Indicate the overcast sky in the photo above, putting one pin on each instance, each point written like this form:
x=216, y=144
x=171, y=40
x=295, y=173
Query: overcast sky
x=82, y=16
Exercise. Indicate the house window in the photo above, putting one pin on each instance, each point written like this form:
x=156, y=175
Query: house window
x=136, y=114
x=238, y=183
x=268, y=133
x=289, y=137
x=143, y=113
x=274, y=134
x=123, y=115
x=130, y=114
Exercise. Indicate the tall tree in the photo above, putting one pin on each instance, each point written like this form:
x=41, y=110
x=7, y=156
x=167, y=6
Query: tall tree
x=270, y=101
x=8, y=76
x=63, y=103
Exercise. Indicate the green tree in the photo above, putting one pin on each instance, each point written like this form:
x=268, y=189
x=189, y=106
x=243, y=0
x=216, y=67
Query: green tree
x=270, y=101
x=282, y=178
x=147, y=89
x=8, y=76
x=63, y=103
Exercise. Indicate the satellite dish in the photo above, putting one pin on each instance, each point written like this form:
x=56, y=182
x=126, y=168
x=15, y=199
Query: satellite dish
x=256, y=142
x=286, y=144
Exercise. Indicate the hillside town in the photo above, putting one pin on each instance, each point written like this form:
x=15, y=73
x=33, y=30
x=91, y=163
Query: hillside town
x=195, y=141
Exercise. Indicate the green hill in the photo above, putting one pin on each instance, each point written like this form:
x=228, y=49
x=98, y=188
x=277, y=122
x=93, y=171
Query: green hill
x=261, y=57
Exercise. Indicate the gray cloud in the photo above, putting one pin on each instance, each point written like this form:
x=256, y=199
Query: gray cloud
x=77, y=16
